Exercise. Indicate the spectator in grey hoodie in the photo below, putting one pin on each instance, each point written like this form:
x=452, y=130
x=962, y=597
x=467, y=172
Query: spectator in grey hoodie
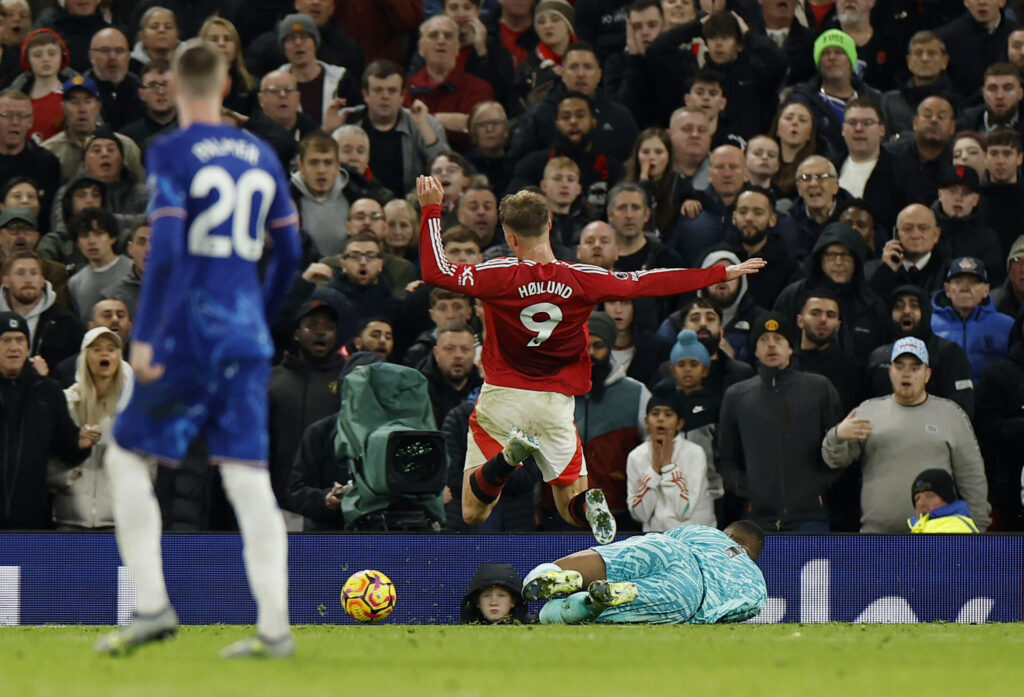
x=318, y=189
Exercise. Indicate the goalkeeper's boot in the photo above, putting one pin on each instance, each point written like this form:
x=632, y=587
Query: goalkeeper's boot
x=548, y=584
x=601, y=520
x=609, y=593
x=260, y=647
x=142, y=630
x=520, y=445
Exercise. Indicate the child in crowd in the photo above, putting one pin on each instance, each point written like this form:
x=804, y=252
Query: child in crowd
x=666, y=475
x=45, y=58
x=938, y=507
x=494, y=596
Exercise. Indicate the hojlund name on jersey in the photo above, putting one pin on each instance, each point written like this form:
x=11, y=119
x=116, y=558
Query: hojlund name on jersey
x=545, y=287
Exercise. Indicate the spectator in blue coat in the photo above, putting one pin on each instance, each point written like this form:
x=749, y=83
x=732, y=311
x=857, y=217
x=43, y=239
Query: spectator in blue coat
x=963, y=313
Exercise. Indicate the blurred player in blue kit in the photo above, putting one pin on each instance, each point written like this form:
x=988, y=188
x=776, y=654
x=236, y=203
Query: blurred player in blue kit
x=691, y=574
x=201, y=349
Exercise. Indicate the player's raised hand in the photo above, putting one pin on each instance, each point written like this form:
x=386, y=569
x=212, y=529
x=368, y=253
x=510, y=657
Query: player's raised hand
x=749, y=266
x=853, y=428
x=141, y=360
x=429, y=190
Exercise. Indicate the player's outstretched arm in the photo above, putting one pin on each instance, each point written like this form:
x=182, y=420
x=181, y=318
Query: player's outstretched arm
x=748, y=267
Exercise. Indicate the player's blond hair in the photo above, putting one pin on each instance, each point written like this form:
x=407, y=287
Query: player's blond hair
x=200, y=69
x=524, y=213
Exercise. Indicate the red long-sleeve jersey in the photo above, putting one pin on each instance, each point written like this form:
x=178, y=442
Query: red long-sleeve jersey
x=536, y=314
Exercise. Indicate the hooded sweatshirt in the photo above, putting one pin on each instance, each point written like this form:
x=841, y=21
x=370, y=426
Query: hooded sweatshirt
x=865, y=321
x=739, y=316
x=54, y=332
x=486, y=576
x=323, y=217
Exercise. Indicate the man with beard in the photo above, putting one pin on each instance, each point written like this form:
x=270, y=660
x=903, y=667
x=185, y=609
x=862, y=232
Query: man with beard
x=303, y=388
x=754, y=220
x=1002, y=94
x=837, y=265
x=109, y=54
x=819, y=321
x=575, y=124
x=19, y=232
x=53, y=331
x=770, y=434
x=693, y=236
x=610, y=419
x=701, y=316
x=732, y=300
x=913, y=256
x=450, y=372
x=597, y=245
x=911, y=311
x=581, y=73
x=925, y=160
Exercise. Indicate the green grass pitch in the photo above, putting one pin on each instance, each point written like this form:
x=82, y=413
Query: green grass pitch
x=590, y=661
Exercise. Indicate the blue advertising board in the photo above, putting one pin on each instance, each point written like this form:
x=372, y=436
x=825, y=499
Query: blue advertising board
x=77, y=578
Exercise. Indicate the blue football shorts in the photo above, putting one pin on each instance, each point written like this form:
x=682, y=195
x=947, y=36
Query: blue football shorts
x=226, y=402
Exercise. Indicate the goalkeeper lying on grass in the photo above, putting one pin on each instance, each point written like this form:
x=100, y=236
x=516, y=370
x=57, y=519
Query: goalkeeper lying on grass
x=690, y=574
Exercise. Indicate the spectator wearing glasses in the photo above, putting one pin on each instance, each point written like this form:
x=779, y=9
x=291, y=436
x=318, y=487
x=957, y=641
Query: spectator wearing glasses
x=279, y=120
x=357, y=288
x=157, y=92
x=817, y=183
x=20, y=157
x=868, y=172
x=109, y=54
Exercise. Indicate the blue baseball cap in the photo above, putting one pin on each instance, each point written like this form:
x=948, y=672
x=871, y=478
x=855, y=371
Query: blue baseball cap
x=967, y=265
x=80, y=82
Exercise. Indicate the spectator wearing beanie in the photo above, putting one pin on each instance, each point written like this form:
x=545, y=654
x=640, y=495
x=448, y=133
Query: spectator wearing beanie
x=937, y=506
x=696, y=405
x=770, y=434
x=1009, y=297
x=835, y=84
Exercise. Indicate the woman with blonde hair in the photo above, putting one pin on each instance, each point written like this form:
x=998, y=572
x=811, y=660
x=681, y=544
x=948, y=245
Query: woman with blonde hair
x=82, y=497
x=222, y=33
x=401, y=228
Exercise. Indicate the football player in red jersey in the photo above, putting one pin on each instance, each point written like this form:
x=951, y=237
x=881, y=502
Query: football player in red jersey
x=535, y=351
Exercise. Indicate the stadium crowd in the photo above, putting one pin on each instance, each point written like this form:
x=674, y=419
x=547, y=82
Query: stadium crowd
x=870, y=151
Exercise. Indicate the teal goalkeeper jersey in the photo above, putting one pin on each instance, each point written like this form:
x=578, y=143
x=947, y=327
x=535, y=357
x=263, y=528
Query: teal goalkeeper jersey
x=734, y=588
